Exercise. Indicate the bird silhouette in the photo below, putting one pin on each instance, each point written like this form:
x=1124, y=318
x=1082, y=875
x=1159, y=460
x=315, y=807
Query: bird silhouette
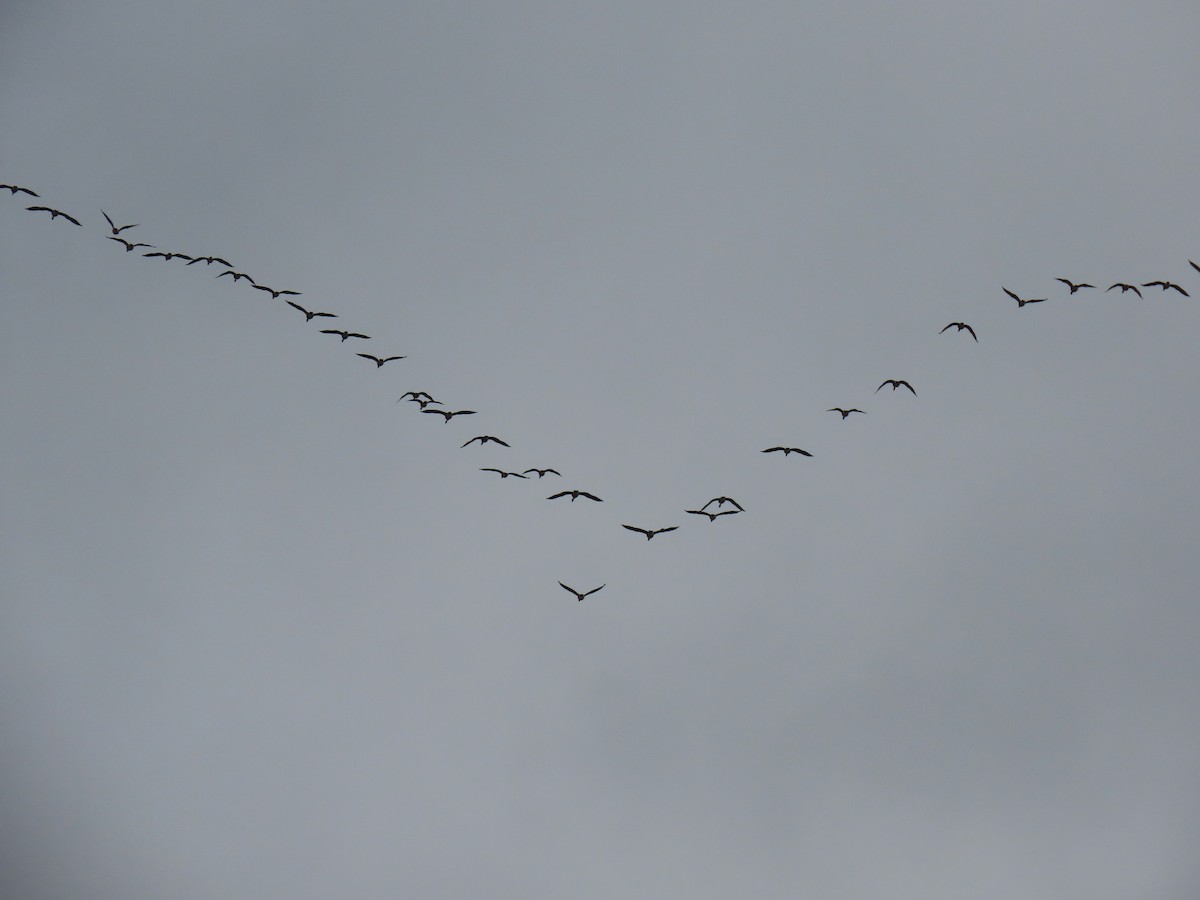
x=15, y=188
x=578, y=595
x=504, y=474
x=1021, y=302
x=448, y=414
x=787, y=451
x=54, y=214
x=345, y=334
x=721, y=501
x=379, y=361
x=650, y=532
x=961, y=326
x=309, y=315
x=415, y=395
x=237, y=276
x=274, y=293
x=895, y=383
x=1124, y=287
x=712, y=516
x=168, y=256
x=574, y=495
x=1167, y=286
x=541, y=473
x=129, y=245
x=845, y=412
x=209, y=260
x=485, y=439
x=1072, y=285
x=113, y=225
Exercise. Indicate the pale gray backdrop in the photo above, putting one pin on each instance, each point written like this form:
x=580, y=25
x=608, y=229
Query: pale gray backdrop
x=267, y=633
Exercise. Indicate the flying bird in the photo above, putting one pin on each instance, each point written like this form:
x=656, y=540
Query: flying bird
x=1073, y=286
x=414, y=395
x=209, y=260
x=14, y=188
x=1193, y=265
x=485, y=439
x=541, y=473
x=1124, y=287
x=378, y=360
x=167, y=257
x=113, y=225
x=1021, y=302
x=578, y=595
x=54, y=214
x=787, y=451
x=896, y=382
x=274, y=293
x=961, y=326
x=712, y=516
x=237, y=276
x=308, y=313
x=345, y=334
x=721, y=501
x=574, y=495
x=845, y=412
x=129, y=245
x=504, y=474
x=650, y=532
x=447, y=413
x=1167, y=286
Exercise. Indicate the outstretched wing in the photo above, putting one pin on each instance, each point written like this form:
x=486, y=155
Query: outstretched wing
x=907, y=385
x=592, y=591
x=665, y=530
x=1011, y=294
x=638, y=530
x=559, y=494
x=586, y=494
x=111, y=223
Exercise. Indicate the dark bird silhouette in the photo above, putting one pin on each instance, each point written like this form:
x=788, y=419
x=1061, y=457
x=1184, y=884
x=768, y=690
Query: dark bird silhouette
x=1073, y=286
x=541, y=473
x=961, y=326
x=712, y=516
x=54, y=214
x=113, y=225
x=209, y=260
x=274, y=293
x=423, y=403
x=485, y=439
x=15, y=188
x=504, y=474
x=845, y=412
x=1021, y=302
x=415, y=395
x=578, y=595
x=237, y=276
x=895, y=383
x=129, y=245
x=574, y=495
x=650, y=532
x=379, y=361
x=345, y=334
x=447, y=413
x=721, y=501
x=787, y=451
x=1124, y=287
x=1167, y=286
x=168, y=256
x=309, y=315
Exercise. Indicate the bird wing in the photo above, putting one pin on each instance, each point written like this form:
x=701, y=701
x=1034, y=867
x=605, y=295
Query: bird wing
x=1011, y=294
x=881, y=387
x=292, y=293
x=639, y=530
x=111, y=223
x=951, y=325
x=390, y=358
x=592, y=591
x=665, y=530
x=1067, y=283
x=590, y=496
x=802, y=452
x=497, y=440
x=700, y=512
x=474, y=439
x=571, y=589
x=501, y=471
x=71, y=219
x=907, y=385
x=127, y=227
x=775, y=449
x=559, y=494
x=297, y=306
x=1181, y=290
x=369, y=356
x=1193, y=265
x=972, y=330
x=365, y=337
x=734, y=502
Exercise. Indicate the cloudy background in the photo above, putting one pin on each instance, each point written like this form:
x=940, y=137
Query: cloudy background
x=267, y=633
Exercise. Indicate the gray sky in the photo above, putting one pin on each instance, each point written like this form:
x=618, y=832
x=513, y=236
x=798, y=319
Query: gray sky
x=267, y=633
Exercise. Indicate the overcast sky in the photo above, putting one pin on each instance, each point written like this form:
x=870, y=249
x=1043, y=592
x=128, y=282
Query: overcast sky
x=266, y=632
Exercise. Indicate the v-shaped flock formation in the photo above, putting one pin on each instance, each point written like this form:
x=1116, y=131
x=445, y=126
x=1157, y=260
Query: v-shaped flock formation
x=425, y=399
